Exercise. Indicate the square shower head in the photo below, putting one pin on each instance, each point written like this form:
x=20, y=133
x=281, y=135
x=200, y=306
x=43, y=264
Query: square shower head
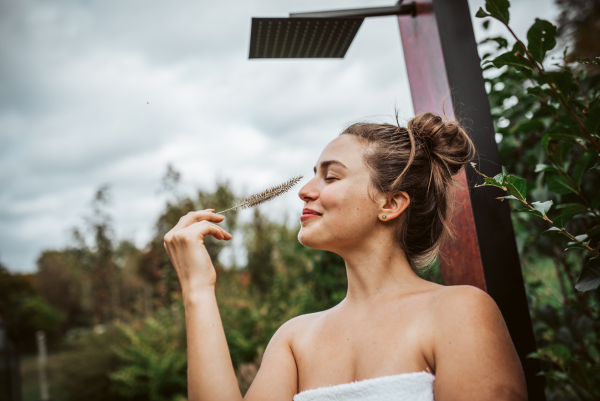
x=302, y=37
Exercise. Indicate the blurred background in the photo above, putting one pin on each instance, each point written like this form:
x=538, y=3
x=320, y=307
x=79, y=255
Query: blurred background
x=116, y=118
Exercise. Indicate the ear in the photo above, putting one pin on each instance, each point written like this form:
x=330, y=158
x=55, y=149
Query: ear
x=394, y=206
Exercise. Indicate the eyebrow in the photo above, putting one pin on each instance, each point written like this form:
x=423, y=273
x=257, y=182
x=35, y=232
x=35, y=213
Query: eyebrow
x=325, y=164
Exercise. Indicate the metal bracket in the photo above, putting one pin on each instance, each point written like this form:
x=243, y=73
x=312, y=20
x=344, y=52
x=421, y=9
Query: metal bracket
x=398, y=9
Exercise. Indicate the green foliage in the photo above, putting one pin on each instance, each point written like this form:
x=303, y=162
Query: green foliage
x=142, y=353
x=555, y=121
x=153, y=361
x=541, y=38
x=81, y=371
x=23, y=310
x=497, y=9
x=568, y=346
x=547, y=117
x=590, y=276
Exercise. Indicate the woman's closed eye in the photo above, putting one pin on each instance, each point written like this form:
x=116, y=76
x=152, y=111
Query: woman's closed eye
x=330, y=178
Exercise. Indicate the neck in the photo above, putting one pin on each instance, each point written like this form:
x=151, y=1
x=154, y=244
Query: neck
x=378, y=270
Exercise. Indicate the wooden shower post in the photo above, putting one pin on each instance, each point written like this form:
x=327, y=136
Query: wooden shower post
x=446, y=78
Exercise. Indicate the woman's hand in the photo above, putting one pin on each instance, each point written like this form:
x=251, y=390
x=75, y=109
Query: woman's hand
x=185, y=246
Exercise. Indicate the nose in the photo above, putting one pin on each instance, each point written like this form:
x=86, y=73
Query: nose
x=309, y=192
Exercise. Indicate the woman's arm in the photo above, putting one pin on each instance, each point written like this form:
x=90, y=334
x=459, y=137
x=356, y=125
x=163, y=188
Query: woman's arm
x=210, y=370
x=475, y=358
x=211, y=375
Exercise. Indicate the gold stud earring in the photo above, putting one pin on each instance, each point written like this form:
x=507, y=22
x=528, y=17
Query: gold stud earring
x=383, y=216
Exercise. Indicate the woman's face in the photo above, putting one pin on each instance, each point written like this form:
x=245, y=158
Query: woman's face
x=338, y=212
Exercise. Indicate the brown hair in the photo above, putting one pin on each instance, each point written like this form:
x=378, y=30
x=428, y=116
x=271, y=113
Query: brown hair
x=420, y=160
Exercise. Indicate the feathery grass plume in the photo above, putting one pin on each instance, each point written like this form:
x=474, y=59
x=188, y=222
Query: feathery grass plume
x=264, y=196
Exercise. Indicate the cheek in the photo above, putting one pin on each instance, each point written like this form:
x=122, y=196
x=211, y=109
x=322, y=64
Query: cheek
x=333, y=197
x=347, y=203
x=347, y=212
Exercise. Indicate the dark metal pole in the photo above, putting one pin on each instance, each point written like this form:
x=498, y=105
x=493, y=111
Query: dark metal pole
x=442, y=63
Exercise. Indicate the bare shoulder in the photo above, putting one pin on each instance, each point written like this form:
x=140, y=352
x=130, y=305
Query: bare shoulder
x=277, y=377
x=302, y=322
x=463, y=302
x=472, y=342
x=466, y=310
x=295, y=327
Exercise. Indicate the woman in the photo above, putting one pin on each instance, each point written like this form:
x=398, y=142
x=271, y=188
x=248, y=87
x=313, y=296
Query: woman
x=379, y=199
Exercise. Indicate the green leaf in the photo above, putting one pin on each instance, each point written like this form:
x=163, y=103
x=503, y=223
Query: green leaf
x=542, y=207
x=560, y=353
x=568, y=212
x=507, y=197
x=516, y=186
x=577, y=244
x=545, y=110
x=592, y=124
x=561, y=132
x=537, y=91
x=544, y=167
x=502, y=42
x=584, y=162
x=541, y=37
x=574, y=245
x=527, y=126
x=578, y=104
x=539, y=209
x=562, y=80
x=590, y=276
x=558, y=184
x=553, y=229
x=511, y=59
x=498, y=9
x=482, y=14
x=500, y=177
x=560, y=150
x=594, y=231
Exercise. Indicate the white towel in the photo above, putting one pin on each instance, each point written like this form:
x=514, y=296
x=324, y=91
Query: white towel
x=415, y=386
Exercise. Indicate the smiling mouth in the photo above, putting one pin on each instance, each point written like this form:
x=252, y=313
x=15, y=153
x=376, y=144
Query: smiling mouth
x=308, y=213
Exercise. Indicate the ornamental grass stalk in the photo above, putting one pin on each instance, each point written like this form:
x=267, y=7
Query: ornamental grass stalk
x=265, y=196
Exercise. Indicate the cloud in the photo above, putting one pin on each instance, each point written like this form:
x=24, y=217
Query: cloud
x=95, y=92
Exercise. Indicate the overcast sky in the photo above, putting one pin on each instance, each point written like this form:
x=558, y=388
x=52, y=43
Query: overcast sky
x=99, y=92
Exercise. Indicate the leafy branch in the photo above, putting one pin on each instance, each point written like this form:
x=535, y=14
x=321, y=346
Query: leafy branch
x=568, y=118
x=517, y=190
x=541, y=39
x=547, y=128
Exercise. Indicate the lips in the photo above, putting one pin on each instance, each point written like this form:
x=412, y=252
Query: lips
x=308, y=214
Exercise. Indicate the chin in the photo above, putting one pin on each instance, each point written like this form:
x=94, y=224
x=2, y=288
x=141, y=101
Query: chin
x=308, y=237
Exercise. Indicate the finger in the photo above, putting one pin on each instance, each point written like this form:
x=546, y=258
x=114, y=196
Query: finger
x=200, y=215
x=203, y=228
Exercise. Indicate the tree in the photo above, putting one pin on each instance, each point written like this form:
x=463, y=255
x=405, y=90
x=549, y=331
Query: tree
x=23, y=311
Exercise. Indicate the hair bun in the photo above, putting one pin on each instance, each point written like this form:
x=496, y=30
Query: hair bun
x=446, y=142
x=419, y=160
